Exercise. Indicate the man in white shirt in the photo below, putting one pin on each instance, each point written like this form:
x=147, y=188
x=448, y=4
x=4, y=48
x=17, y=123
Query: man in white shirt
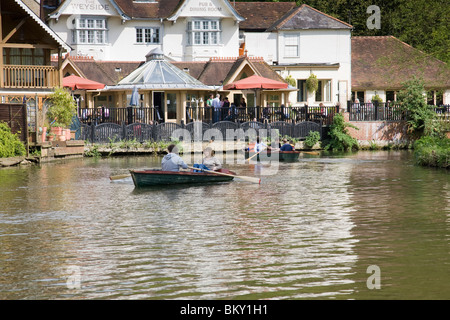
x=216, y=108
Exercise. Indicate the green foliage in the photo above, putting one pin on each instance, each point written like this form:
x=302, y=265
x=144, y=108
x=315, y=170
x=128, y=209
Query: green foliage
x=339, y=136
x=432, y=151
x=290, y=80
x=422, y=24
x=377, y=98
x=420, y=116
x=62, y=108
x=312, y=138
x=10, y=144
x=312, y=83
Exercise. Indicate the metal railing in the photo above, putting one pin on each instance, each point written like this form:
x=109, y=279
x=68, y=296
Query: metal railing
x=129, y=115
x=388, y=111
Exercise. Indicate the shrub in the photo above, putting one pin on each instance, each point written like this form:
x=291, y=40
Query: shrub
x=312, y=138
x=62, y=108
x=432, y=151
x=420, y=116
x=339, y=137
x=10, y=144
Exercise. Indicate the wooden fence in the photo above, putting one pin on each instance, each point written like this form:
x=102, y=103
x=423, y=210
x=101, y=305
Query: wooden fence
x=15, y=115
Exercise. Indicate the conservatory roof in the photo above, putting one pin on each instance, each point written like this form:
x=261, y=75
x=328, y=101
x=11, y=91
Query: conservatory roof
x=157, y=73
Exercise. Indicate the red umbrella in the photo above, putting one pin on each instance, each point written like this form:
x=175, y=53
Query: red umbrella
x=255, y=82
x=75, y=82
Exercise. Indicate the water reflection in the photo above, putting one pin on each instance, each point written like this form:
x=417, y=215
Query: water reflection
x=310, y=231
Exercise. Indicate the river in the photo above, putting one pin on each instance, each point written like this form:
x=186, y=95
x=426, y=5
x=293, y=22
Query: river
x=365, y=225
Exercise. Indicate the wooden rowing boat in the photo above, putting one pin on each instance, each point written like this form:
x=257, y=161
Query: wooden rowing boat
x=156, y=177
x=275, y=155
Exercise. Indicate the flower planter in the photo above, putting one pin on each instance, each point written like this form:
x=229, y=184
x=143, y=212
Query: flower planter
x=56, y=130
x=44, y=133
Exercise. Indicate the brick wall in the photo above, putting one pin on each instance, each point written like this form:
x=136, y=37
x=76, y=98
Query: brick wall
x=382, y=131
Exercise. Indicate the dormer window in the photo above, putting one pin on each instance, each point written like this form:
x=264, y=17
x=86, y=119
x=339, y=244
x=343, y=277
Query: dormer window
x=203, y=32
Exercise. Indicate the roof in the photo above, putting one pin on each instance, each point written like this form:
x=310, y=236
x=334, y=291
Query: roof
x=385, y=62
x=157, y=73
x=40, y=35
x=107, y=72
x=219, y=71
x=306, y=17
x=261, y=15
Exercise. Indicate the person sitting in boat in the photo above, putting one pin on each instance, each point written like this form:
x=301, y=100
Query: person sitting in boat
x=210, y=161
x=286, y=146
x=259, y=146
x=172, y=161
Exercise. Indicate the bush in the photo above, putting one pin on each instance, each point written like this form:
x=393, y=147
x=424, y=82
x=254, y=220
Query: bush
x=62, y=108
x=339, y=137
x=312, y=138
x=420, y=116
x=432, y=151
x=10, y=144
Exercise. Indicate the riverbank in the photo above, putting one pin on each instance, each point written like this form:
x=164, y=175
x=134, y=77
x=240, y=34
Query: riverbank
x=432, y=152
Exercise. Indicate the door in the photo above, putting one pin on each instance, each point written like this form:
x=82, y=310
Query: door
x=158, y=104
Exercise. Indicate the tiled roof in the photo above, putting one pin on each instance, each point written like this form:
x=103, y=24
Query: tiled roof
x=149, y=10
x=261, y=15
x=218, y=71
x=386, y=63
x=306, y=17
x=107, y=72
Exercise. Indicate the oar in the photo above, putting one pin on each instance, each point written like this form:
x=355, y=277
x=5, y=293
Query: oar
x=311, y=152
x=249, y=179
x=118, y=177
x=256, y=154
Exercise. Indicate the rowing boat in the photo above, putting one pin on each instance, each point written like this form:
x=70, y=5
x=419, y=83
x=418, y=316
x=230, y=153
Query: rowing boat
x=275, y=155
x=155, y=177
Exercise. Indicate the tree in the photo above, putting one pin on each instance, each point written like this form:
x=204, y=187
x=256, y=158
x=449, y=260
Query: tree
x=62, y=108
x=420, y=116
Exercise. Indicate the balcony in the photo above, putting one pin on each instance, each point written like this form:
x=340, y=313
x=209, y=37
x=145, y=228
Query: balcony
x=27, y=76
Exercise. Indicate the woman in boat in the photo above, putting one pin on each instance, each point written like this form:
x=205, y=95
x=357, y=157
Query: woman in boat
x=209, y=160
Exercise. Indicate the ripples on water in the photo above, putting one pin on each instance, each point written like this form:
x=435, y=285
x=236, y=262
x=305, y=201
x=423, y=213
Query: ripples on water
x=310, y=231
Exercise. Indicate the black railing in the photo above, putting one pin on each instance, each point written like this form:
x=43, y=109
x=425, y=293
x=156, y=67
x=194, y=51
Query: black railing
x=387, y=112
x=119, y=115
x=195, y=131
x=322, y=115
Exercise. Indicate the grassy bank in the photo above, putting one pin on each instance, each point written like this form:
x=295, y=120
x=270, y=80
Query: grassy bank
x=432, y=152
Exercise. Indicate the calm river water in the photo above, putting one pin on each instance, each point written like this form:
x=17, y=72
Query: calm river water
x=366, y=225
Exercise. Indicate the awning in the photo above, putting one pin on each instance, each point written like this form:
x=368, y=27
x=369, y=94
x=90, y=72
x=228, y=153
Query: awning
x=75, y=82
x=255, y=82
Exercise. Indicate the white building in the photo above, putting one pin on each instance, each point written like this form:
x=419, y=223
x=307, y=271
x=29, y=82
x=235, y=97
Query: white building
x=296, y=41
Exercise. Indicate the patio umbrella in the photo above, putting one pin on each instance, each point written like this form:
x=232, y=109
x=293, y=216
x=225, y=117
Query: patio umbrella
x=134, y=101
x=255, y=82
x=75, y=82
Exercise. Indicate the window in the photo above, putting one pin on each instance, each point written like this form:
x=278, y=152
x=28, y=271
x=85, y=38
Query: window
x=147, y=35
x=24, y=56
x=390, y=95
x=435, y=97
x=323, y=93
x=291, y=45
x=358, y=95
x=89, y=30
x=203, y=32
x=273, y=100
x=301, y=93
